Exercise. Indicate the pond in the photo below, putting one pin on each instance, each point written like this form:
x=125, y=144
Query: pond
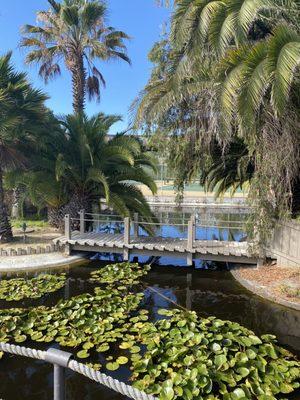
x=208, y=292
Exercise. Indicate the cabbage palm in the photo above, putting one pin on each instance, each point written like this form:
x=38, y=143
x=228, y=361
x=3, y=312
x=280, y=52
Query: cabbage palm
x=74, y=32
x=22, y=113
x=81, y=166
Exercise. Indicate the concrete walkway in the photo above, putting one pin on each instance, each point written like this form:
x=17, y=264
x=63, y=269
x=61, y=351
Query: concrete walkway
x=37, y=261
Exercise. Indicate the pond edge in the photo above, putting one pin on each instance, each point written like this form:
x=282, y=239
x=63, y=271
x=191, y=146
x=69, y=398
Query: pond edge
x=262, y=291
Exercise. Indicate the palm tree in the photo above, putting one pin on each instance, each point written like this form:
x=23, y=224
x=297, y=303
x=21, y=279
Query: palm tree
x=80, y=167
x=230, y=170
x=74, y=32
x=232, y=74
x=262, y=78
x=22, y=112
x=216, y=25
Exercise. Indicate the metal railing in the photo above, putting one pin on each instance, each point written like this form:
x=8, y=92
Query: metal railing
x=62, y=360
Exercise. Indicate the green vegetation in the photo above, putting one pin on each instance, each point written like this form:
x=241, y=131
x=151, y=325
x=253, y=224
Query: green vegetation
x=22, y=117
x=78, y=166
x=34, y=288
x=224, y=92
x=74, y=32
x=30, y=223
x=181, y=355
x=206, y=358
x=66, y=164
x=127, y=274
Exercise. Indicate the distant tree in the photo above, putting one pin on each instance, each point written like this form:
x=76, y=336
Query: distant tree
x=74, y=32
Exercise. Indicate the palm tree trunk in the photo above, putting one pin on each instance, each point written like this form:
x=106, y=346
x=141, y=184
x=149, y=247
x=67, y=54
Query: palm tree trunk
x=5, y=227
x=15, y=210
x=78, y=202
x=78, y=83
x=296, y=198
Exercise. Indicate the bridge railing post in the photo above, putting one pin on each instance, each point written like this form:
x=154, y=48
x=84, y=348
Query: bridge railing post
x=82, y=223
x=190, y=240
x=68, y=233
x=191, y=233
x=126, y=230
x=136, y=225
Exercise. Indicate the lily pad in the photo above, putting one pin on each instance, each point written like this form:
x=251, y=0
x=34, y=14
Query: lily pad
x=112, y=366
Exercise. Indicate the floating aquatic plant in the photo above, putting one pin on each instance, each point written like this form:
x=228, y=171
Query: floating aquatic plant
x=189, y=357
x=180, y=356
x=34, y=288
x=125, y=273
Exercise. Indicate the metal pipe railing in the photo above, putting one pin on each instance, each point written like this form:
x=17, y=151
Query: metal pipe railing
x=62, y=360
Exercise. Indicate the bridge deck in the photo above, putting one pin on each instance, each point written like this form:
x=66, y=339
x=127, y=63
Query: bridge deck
x=157, y=246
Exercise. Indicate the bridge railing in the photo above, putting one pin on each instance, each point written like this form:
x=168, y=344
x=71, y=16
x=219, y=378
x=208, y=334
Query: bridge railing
x=131, y=226
x=62, y=360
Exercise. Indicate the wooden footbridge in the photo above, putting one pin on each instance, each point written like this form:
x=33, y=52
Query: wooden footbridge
x=88, y=235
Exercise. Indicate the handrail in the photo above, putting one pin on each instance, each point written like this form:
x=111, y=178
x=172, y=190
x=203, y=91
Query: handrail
x=162, y=223
x=61, y=360
x=169, y=218
x=95, y=220
x=191, y=227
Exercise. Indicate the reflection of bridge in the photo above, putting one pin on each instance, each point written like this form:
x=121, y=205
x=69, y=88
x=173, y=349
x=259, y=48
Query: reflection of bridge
x=89, y=237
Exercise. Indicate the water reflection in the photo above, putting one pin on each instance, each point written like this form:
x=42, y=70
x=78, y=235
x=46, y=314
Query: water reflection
x=217, y=293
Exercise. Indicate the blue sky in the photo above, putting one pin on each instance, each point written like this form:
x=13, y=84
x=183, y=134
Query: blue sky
x=141, y=19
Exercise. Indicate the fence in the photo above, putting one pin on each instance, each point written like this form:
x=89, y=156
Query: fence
x=285, y=244
x=62, y=360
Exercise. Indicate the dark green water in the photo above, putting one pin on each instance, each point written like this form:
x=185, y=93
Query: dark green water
x=207, y=292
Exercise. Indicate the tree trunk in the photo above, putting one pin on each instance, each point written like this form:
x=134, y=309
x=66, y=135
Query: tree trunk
x=77, y=203
x=78, y=82
x=5, y=227
x=15, y=209
x=296, y=198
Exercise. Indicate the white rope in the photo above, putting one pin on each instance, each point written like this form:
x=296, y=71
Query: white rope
x=22, y=351
x=109, y=382
x=82, y=369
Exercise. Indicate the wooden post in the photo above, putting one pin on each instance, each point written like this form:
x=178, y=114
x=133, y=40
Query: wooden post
x=136, y=225
x=126, y=230
x=191, y=233
x=67, y=227
x=190, y=240
x=82, y=224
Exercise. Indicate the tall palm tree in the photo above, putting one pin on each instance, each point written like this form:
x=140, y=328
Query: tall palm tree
x=22, y=112
x=74, y=32
x=81, y=166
